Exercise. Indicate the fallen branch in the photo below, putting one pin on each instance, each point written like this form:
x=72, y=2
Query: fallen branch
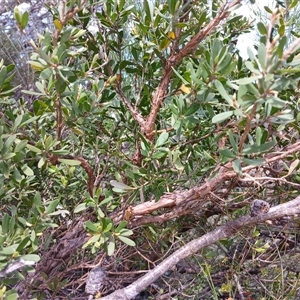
x=228, y=230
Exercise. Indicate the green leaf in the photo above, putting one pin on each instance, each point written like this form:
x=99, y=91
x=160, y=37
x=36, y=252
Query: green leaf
x=120, y=185
x=126, y=232
x=3, y=74
x=51, y=206
x=81, y=207
x=5, y=223
x=27, y=171
x=292, y=167
x=70, y=162
x=23, y=244
x=17, y=122
x=247, y=80
x=24, y=20
x=37, y=200
x=60, y=83
x=5, y=170
x=41, y=88
x=281, y=30
x=267, y=9
x=61, y=212
x=281, y=46
x=172, y=6
x=178, y=165
x=237, y=167
x=12, y=296
x=30, y=120
x=223, y=92
x=9, y=250
x=163, y=137
x=254, y=162
x=250, y=66
x=250, y=149
x=233, y=141
x=34, y=149
x=107, y=228
x=262, y=55
x=9, y=141
x=192, y=109
x=126, y=240
x=219, y=118
x=159, y=154
x=180, y=77
x=95, y=238
x=227, y=153
x=60, y=152
x=293, y=4
x=42, y=161
x=20, y=145
x=148, y=7
x=163, y=44
x=37, y=66
x=276, y=102
x=91, y=226
x=17, y=176
x=262, y=29
x=31, y=257
x=17, y=15
x=122, y=225
x=8, y=155
x=111, y=247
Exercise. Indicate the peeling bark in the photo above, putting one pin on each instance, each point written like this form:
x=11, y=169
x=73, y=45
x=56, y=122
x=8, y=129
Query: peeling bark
x=228, y=230
x=184, y=202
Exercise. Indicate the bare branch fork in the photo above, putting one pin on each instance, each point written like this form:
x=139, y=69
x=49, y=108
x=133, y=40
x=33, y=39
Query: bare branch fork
x=228, y=230
x=148, y=125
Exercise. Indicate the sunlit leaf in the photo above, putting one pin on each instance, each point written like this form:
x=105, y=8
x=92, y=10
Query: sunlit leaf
x=126, y=240
x=185, y=89
x=70, y=162
x=219, y=118
x=247, y=80
x=120, y=185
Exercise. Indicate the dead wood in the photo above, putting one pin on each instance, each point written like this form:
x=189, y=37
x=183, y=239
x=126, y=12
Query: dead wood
x=184, y=202
x=228, y=230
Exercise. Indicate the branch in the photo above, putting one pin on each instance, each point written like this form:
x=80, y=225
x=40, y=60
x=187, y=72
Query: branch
x=148, y=128
x=293, y=47
x=133, y=110
x=183, y=202
x=59, y=118
x=54, y=159
x=65, y=17
x=202, y=34
x=228, y=230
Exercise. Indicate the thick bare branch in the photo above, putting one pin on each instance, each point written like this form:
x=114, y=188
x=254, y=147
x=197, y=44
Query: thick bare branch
x=228, y=230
